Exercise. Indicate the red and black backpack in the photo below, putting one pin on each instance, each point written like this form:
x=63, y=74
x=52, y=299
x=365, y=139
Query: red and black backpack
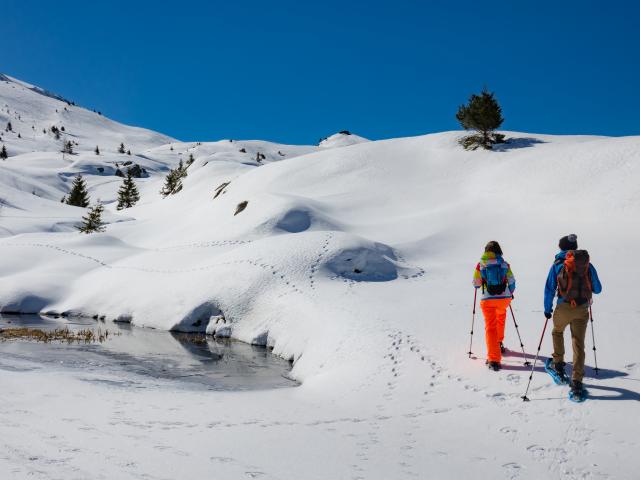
x=574, y=279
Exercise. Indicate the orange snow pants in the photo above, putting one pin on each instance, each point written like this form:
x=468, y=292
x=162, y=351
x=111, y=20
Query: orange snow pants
x=495, y=314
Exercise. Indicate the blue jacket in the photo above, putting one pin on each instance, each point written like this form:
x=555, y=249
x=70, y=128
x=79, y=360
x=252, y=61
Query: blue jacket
x=551, y=286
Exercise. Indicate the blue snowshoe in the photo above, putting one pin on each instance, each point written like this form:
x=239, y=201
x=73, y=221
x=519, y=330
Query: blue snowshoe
x=578, y=393
x=559, y=378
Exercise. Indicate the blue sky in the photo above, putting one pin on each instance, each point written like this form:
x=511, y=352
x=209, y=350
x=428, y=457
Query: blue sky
x=294, y=71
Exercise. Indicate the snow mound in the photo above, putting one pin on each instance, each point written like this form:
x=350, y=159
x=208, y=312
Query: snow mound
x=341, y=139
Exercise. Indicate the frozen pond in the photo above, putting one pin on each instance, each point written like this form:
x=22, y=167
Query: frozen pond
x=145, y=358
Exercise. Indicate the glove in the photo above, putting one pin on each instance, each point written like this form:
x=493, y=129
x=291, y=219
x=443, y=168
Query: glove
x=547, y=315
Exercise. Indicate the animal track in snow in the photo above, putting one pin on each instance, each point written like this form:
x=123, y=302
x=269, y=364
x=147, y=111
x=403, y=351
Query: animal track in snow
x=316, y=264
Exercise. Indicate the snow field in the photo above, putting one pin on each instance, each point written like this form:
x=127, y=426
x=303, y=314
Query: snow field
x=356, y=263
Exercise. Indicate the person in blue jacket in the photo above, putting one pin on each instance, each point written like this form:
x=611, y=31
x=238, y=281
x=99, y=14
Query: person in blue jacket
x=573, y=313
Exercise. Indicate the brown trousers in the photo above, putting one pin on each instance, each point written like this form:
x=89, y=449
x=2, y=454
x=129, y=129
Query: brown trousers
x=578, y=319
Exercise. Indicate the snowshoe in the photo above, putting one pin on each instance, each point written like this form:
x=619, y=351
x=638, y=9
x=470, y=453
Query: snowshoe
x=577, y=393
x=558, y=376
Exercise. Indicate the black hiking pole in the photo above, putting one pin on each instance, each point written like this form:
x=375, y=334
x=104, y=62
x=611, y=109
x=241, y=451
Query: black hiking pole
x=524, y=355
x=593, y=338
x=524, y=397
x=473, y=319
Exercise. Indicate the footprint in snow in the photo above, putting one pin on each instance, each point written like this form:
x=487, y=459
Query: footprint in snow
x=513, y=379
x=537, y=452
x=497, y=397
x=512, y=469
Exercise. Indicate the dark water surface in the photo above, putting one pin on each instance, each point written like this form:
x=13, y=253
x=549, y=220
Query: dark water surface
x=145, y=358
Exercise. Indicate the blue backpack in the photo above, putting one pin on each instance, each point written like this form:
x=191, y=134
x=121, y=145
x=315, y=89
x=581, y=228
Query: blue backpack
x=494, y=278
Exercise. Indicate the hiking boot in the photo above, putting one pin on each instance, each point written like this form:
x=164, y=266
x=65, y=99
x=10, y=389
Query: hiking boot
x=495, y=366
x=559, y=368
x=576, y=387
x=502, y=348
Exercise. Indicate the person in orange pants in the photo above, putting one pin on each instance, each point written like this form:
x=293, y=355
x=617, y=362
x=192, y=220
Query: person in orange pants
x=493, y=274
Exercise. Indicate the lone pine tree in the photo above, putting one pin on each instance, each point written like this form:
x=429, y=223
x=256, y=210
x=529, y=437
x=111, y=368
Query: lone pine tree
x=67, y=147
x=97, y=150
x=3, y=153
x=484, y=115
x=173, y=180
x=78, y=195
x=128, y=194
x=92, y=221
x=121, y=149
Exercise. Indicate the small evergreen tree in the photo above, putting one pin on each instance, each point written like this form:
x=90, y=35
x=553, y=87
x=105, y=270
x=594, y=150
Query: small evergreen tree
x=191, y=159
x=3, y=153
x=63, y=199
x=128, y=152
x=78, y=196
x=97, y=150
x=173, y=180
x=9, y=127
x=128, y=194
x=484, y=115
x=92, y=221
x=121, y=149
x=68, y=147
x=19, y=136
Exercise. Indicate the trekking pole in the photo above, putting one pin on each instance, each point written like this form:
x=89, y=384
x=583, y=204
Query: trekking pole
x=524, y=355
x=524, y=397
x=593, y=338
x=473, y=319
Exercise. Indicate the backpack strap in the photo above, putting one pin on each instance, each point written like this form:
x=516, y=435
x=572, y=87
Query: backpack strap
x=569, y=267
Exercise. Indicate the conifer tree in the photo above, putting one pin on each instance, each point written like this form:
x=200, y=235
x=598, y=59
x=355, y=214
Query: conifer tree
x=173, y=180
x=3, y=153
x=92, y=221
x=68, y=147
x=128, y=194
x=128, y=152
x=78, y=195
x=9, y=127
x=97, y=150
x=121, y=149
x=191, y=159
x=484, y=115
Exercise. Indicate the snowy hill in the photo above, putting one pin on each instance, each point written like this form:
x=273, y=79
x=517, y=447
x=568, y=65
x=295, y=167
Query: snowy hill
x=355, y=262
x=341, y=139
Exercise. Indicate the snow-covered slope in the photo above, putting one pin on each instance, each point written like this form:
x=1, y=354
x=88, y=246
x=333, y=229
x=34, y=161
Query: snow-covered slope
x=34, y=126
x=356, y=263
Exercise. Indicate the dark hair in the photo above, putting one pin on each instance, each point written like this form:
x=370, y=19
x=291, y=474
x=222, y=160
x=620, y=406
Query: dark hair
x=493, y=247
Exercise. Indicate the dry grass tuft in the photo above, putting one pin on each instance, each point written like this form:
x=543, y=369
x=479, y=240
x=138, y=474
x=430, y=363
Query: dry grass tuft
x=58, y=335
x=196, y=338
